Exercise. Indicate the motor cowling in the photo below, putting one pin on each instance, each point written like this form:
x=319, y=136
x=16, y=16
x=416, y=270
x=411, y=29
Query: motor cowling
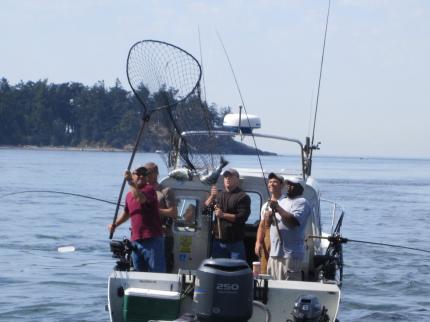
x=307, y=308
x=223, y=291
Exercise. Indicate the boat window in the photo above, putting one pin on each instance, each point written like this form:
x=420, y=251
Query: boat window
x=254, y=217
x=187, y=210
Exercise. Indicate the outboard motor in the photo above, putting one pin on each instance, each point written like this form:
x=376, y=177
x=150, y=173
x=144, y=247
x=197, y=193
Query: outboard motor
x=223, y=291
x=307, y=308
x=121, y=250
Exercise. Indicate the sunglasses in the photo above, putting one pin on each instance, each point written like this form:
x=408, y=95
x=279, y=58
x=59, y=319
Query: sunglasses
x=139, y=174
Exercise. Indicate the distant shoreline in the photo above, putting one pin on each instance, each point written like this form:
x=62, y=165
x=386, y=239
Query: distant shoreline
x=63, y=148
x=93, y=149
x=109, y=149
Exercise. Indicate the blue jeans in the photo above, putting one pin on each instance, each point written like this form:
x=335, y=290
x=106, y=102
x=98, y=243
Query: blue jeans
x=148, y=255
x=235, y=250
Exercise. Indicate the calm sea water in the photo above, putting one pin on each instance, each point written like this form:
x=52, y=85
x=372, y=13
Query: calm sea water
x=386, y=200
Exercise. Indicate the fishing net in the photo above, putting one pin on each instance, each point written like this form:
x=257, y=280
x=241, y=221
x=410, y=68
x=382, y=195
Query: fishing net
x=154, y=67
x=165, y=78
x=197, y=151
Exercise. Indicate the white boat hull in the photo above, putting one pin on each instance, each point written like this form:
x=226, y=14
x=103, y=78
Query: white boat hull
x=280, y=297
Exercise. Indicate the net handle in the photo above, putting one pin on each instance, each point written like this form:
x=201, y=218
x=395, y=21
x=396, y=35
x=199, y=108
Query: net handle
x=139, y=136
x=147, y=114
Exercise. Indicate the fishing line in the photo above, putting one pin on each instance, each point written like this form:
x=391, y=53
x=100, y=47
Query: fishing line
x=252, y=134
x=61, y=193
x=385, y=244
x=319, y=82
x=244, y=108
x=201, y=64
x=204, y=88
x=347, y=240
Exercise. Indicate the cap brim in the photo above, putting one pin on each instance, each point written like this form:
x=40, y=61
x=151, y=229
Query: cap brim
x=230, y=173
x=294, y=180
x=273, y=175
x=141, y=171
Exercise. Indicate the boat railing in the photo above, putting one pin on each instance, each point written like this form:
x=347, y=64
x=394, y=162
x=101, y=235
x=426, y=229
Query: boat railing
x=260, y=135
x=337, y=213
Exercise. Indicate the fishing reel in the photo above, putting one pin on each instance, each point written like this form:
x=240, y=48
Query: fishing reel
x=209, y=210
x=121, y=249
x=330, y=265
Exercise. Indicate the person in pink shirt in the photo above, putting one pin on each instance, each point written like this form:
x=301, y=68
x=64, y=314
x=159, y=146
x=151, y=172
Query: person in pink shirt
x=141, y=207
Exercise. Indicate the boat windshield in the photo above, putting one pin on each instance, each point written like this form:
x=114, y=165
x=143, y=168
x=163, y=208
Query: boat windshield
x=256, y=203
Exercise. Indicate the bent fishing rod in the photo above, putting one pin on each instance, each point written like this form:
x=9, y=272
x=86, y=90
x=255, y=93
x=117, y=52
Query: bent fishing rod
x=337, y=239
x=61, y=193
x=252, y=135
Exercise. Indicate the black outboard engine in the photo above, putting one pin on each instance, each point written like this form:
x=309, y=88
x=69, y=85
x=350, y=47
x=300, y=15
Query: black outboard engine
x=121, y=250
x=223, y=291
x=307, y=308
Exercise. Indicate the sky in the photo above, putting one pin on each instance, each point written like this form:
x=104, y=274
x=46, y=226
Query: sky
x=375, y=80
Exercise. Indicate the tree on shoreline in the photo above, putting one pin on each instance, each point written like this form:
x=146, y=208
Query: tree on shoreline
x=75, y=115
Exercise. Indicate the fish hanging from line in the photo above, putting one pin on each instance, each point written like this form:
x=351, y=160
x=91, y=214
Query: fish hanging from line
x=181, y=174
x=212, y=177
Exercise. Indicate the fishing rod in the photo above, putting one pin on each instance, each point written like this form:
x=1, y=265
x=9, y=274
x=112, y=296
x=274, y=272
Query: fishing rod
x=342, y=240
x=252, y=134
x=61, y=193
x=312, y=146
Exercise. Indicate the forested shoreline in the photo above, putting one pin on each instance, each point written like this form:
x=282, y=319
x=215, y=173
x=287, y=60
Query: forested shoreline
x=79, y=116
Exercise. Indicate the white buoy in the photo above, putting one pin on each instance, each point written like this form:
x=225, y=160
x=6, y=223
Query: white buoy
x=66, y=249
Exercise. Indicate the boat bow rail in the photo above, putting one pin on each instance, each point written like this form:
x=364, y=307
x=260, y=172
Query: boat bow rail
x=337, y=213
x=302, y=151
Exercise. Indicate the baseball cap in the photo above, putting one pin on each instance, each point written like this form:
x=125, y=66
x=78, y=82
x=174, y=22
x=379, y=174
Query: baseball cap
x=294, y=180
x=273, y=175
x=230, y=172
x=141, y=171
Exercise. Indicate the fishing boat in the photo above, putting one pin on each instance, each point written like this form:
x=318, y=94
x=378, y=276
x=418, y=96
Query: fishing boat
x=203, y=289
x=166, y=80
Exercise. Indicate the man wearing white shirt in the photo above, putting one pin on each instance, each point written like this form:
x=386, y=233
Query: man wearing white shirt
x=292, y=213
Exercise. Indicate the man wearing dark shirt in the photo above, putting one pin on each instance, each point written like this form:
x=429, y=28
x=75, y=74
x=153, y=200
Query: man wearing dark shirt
x=231, y=208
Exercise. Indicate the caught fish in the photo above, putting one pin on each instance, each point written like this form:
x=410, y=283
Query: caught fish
x=212, y=177
x=182, y=174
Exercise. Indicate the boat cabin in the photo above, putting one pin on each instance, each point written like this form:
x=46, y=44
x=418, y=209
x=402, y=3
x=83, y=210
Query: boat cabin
x=191, y=233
